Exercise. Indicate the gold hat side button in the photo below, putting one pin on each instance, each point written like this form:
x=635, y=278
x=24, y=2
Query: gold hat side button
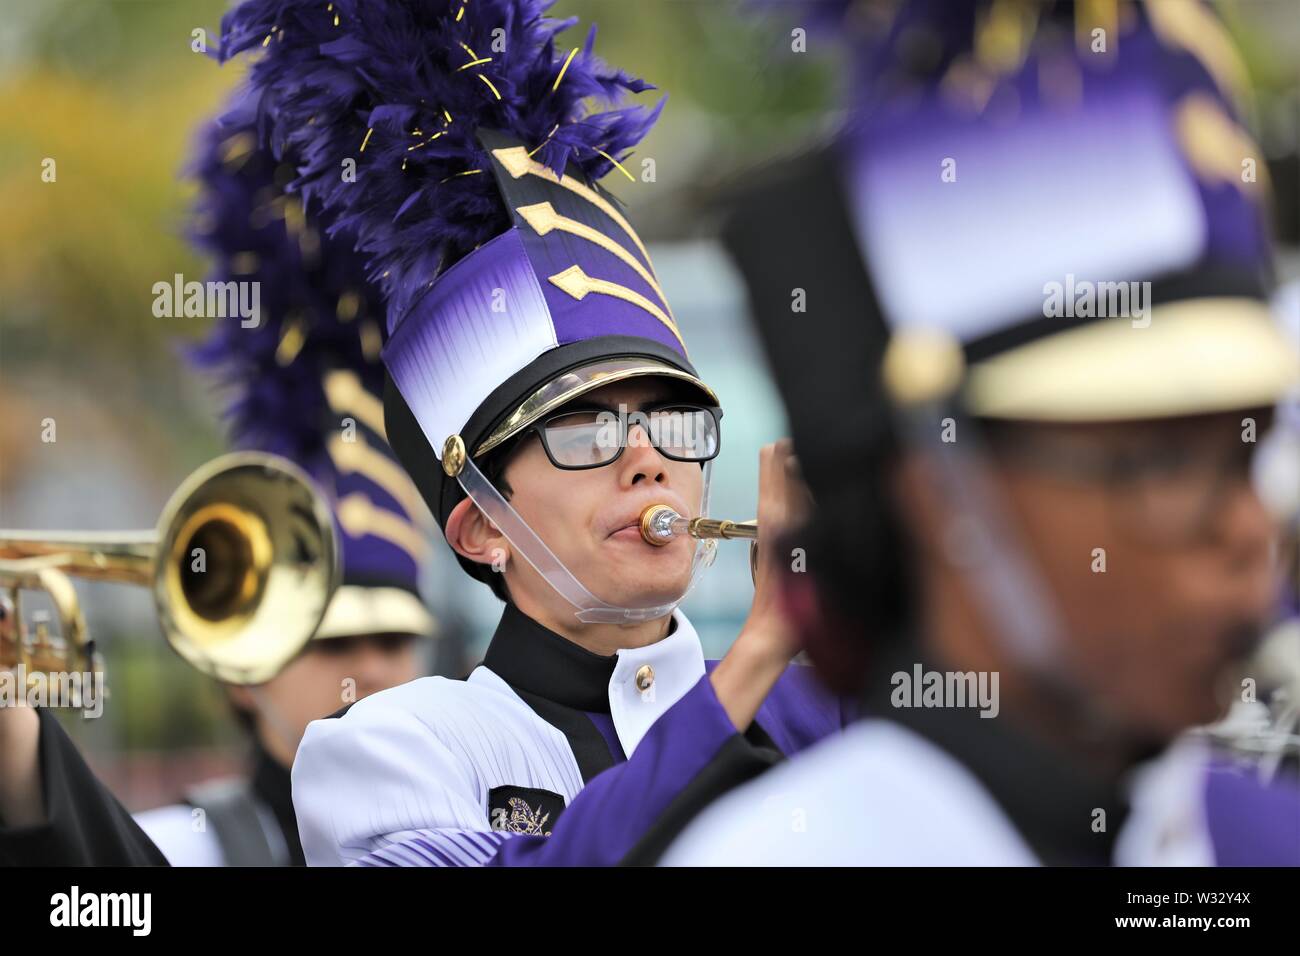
x=453, y=456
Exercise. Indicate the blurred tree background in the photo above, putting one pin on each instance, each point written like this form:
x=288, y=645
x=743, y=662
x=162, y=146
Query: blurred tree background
x=112, y=91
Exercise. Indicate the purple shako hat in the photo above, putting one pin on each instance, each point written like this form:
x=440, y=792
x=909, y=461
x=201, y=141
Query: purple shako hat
x=1065, y=192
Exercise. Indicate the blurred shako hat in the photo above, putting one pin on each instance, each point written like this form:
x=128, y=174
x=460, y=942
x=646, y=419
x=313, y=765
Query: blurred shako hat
x=514, y=282
x=1051, y=208
x=306, y=381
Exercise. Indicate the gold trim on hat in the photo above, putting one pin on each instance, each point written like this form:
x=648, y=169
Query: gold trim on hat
x=576, y=382
x=922, y=365
x=577, y=284
x=358, y=456
x=347, y=396
x=1215, y=145
x=516, y=161
x=356, y=610
x=359, y=516
x=543, y=218
x=1202, y=34
x=1196, y=356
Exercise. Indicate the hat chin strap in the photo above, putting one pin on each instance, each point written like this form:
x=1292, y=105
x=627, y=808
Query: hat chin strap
x=587, y=608
x=984, y=547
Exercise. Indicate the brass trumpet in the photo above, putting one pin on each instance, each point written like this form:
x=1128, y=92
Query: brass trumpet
x=660, y=524
x=242, y=566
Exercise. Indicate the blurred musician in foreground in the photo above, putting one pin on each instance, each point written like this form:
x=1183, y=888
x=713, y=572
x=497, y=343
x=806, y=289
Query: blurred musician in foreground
x=1037, y=541
x=541, y=398
x=303, y=383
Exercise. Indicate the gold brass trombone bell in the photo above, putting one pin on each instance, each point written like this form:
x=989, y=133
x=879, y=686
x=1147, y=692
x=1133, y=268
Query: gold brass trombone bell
x=242, y=566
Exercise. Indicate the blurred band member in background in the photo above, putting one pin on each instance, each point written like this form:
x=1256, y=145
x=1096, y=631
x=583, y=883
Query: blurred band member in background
x=1037, y=540
x=303, y=382
x=306, y=384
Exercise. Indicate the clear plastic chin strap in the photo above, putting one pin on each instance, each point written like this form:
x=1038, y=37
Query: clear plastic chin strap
x=587, y=607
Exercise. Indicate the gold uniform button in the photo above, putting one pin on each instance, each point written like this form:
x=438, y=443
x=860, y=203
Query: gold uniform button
x=645, y=676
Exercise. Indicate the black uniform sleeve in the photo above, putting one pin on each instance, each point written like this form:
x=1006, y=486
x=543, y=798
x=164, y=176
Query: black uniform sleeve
x=84, y=823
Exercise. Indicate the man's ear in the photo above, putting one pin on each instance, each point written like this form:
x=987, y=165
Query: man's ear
x=474, y=537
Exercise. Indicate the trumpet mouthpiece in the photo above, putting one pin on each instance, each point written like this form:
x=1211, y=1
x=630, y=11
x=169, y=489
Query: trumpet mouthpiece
x=657, y=525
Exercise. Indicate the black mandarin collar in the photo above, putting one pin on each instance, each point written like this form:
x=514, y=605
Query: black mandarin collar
x=1050, y=799
x=534, y=659
x=270, y=784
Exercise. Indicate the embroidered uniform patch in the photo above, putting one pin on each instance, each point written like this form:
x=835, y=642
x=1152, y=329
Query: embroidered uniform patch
x=524, y=810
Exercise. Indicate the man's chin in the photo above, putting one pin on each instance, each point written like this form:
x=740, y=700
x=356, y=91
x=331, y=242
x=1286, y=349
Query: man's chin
x=637, y=575
x=636, y=591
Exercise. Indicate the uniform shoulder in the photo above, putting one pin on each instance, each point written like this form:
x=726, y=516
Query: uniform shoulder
x=428, y=700
x=873, y=794
x=402, y=760
x=433, y=721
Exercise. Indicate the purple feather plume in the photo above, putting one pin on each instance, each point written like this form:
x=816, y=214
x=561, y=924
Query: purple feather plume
x=317, y=312
x=412, y=81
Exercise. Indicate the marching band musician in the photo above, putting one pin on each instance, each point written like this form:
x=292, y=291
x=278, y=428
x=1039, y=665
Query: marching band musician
x=304, y=383
x=540, y=395
x=1069, y=487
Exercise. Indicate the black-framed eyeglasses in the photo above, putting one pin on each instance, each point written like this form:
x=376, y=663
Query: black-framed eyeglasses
x=581, y=438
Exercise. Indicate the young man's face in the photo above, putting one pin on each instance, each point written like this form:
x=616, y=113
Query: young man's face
x=590, y=518
x=1157, y=551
